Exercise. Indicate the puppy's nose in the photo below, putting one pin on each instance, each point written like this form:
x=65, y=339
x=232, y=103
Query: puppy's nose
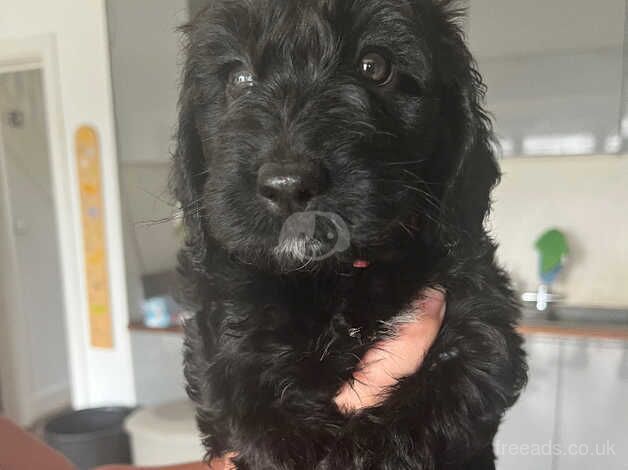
x=289, y=187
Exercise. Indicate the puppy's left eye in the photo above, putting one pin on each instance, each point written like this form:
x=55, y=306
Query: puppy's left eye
x=240, y=81
x=377, y=68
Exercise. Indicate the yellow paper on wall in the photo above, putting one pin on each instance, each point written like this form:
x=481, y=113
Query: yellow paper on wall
x=94, y=237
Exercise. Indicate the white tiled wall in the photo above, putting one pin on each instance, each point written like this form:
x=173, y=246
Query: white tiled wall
x=586, y=197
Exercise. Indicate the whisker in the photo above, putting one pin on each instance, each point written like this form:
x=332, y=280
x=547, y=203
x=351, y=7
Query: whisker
x=406, y=229
x=428, y=197
x=152, y=223
x=159, y=197
x=412, y=162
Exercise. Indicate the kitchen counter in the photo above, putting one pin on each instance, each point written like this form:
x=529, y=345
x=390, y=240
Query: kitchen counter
x=572, y=322
x=579, y=322
x=575, y=329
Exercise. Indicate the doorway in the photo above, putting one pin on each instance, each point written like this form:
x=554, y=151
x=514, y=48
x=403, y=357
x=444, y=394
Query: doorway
x=34, y=368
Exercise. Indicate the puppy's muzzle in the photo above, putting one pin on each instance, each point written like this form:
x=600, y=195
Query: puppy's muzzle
x=287, y=188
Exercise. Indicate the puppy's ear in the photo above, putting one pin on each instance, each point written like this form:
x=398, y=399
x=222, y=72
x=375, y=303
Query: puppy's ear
x=189, y=171
x=471, y=170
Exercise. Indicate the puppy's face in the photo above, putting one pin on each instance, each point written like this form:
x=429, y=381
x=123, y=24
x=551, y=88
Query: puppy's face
x=351, y=111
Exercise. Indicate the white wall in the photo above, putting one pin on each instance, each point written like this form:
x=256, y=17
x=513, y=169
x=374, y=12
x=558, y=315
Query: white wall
x=79, y=28
x=556, y=71
x=146, y=71
x=586, y=197
x=145, y=64
x=154, y=238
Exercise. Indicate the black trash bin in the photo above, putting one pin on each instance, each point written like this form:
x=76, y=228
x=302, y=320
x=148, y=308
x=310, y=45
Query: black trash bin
x=89, y=438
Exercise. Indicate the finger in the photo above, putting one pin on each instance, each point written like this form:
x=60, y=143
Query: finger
x=412, y=339
x=228, y=464
x=431, y=302
x=357, y=397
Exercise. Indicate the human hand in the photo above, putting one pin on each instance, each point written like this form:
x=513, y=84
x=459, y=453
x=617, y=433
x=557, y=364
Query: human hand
x=392, y=359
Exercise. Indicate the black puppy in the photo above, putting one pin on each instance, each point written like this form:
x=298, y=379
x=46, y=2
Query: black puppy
x=333, y=160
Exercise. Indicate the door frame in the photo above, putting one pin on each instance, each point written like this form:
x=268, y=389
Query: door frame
x=39, y=52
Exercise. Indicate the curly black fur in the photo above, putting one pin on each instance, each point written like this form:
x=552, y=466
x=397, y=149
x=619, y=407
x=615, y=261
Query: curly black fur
x=410, y=168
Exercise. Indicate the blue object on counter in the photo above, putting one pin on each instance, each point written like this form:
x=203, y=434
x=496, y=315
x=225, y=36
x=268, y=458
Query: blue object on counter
x=159, y=312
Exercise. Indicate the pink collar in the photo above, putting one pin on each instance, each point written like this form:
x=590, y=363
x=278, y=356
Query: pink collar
x=361, y=264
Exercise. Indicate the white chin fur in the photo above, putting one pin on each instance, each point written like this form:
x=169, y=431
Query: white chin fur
x=301, y=249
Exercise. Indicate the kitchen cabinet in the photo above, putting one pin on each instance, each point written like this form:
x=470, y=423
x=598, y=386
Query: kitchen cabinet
x=574, y=413
x=593, y=406
x=531, y=422
x=555, y=72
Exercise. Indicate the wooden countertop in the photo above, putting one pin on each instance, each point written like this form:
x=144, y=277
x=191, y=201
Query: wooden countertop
x=139, y=326
x=575, y=329
x=564, y=329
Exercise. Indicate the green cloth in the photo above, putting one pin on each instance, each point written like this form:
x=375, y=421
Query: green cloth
x=553, y=249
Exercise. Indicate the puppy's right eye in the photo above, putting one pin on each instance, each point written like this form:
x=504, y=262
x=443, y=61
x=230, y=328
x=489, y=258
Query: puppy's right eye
x=240, y=81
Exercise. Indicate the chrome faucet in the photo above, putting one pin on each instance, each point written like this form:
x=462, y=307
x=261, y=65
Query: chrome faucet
x=553, y=249
x=542, y=298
